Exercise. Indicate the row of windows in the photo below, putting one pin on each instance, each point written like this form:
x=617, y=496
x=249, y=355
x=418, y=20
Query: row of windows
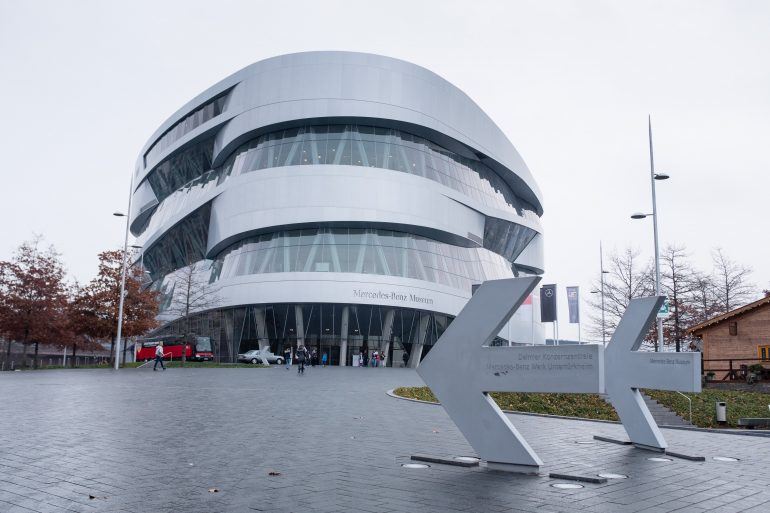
x=319, y=326
x=385, y=148
x=363, y=251
x=205, y=112
x=182, y=245
x=338, y=144
x=181, y=170
x=192, y=194
x=505, y=238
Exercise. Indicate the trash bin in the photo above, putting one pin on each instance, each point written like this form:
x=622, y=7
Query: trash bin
x=721, y=408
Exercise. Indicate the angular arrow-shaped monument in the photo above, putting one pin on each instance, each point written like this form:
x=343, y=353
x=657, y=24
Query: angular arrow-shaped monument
x=626, y=371
x=461, y=370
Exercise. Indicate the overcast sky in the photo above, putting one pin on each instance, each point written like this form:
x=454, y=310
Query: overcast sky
x=85, y=83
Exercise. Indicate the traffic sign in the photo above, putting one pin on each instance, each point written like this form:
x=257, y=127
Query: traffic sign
x=665, y=310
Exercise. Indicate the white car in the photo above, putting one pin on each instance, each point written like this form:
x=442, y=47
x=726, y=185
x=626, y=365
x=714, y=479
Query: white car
x=255, y=356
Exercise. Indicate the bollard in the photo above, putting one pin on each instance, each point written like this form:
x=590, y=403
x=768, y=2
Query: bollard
x=721, y=412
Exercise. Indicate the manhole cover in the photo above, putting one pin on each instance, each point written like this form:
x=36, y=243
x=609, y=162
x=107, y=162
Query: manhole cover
x=724, y=458
x=659, y=459
x=613, y=476
x=567, y=486
x=466, y=459
x=415, y=465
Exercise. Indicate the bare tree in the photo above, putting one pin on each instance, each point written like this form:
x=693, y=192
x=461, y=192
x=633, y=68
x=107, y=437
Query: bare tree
x=193, y=293
x=704, y=300
x=731, y=286
x=627, y=277
x=680, y=284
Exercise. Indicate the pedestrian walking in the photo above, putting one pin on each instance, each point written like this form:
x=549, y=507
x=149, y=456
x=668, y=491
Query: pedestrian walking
x=382, y=358
x=314, y=358
x=287, y=357
x=159, y=357
x=301, y=357
x=324, y=359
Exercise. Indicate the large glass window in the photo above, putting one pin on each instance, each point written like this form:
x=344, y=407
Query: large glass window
x=505, y=238
x=341, y=331
x=356, y=145
x=205, y=112
x=368, y=146
x=181, y=169
x=182, y=245
x=364, y=251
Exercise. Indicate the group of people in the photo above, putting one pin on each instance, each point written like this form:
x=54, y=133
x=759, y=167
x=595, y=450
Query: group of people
x=376, y=360
x=303, y=357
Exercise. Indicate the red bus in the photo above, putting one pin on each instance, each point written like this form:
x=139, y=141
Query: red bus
x=173, y=345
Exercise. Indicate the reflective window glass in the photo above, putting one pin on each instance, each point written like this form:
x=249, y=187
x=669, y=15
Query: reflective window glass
x=365, y=251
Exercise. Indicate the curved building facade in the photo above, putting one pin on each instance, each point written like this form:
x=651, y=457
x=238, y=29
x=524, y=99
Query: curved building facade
x=346, y=202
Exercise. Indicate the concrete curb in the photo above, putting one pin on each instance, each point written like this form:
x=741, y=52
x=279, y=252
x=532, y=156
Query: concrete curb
x=765, y=434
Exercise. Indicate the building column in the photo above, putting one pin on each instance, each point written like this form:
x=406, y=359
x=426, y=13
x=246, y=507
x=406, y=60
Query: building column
x=387, y=331
x=300, y=325
x=416, y=353
x=259, y=320
x=344, y=336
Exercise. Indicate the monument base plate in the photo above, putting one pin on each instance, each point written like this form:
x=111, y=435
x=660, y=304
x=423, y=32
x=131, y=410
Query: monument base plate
x=650, y=448
x=515, y=469
x=445, y=461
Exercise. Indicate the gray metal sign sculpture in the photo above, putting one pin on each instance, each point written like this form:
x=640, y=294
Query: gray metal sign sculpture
x=461, y=370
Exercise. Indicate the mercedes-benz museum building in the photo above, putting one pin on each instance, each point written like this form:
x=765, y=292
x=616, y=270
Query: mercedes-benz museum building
x=342, y=201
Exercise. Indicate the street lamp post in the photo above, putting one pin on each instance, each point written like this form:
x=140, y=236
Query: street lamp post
x=654, y=176
x=123, y=275
x=602, y=272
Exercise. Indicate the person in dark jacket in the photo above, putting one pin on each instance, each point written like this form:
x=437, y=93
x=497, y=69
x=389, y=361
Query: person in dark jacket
x=302, y=356
x=287, y=357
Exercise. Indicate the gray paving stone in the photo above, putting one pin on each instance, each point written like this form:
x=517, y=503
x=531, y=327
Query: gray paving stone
x=156, y=442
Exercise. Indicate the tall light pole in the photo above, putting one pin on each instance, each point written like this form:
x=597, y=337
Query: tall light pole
x=654, y=176
x=602, y=272
x=123, y=275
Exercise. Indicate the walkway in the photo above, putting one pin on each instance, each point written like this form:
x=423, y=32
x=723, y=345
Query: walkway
x=163, y=442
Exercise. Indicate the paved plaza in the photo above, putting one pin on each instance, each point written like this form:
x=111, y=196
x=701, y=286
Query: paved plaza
x=200, y=440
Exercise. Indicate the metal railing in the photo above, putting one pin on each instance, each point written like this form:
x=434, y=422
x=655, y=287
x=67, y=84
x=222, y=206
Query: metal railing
x=688, y=400
x=733, y=373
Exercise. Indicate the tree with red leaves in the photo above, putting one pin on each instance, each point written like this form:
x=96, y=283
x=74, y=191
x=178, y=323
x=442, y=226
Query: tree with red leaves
x=97, y=303
x=80, y=319
x=33, y=297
